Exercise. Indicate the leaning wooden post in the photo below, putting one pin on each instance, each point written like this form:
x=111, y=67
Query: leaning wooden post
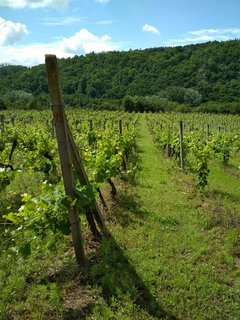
x=64, y=154
x=181, y=144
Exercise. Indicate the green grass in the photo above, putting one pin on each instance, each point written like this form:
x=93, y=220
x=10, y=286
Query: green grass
x=172, y=249
x=172, y=253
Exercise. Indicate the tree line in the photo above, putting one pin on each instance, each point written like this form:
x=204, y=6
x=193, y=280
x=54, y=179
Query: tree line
x=202, y=77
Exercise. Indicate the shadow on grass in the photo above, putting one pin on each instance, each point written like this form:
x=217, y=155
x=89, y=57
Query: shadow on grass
x=128, y=208
x=116, y=276
x=115, y=279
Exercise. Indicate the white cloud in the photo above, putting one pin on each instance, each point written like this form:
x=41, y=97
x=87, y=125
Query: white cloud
x=85, y=41
x=152, y=29
x=33, y=4
x=234, y=31
x=52, y=21
x=204, y=35
x=31, y=54
x=203, y=32
x=80, y=43
x=102, y=1
x=11, y=32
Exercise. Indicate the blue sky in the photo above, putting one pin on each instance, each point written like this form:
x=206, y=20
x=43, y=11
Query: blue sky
x=31, y=28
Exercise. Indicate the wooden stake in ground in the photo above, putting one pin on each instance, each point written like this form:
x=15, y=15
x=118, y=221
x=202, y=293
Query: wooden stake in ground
x=2, y=123
x=120, y=126
x=64, y=154
x=208, y=131
x=181, y=145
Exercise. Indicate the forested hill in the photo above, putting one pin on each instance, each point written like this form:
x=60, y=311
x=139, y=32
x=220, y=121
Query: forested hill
x=188, y=75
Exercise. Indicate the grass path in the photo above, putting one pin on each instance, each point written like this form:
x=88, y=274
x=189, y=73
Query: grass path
x=163, y=263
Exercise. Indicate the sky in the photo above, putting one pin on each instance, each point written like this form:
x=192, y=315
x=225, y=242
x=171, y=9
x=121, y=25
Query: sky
x=29, y=29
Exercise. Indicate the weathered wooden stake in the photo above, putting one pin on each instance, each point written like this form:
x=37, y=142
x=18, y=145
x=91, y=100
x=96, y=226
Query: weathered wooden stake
x=91, y=125
x=120, y=126
x=64, y=154
x=2, y=123
x=208, y=131
x=12, y=121
x=181, y=145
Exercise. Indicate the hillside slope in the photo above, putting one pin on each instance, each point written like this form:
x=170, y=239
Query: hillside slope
x=212, y=69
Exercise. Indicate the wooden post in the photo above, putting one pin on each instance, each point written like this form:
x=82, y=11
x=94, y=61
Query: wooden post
x=12, y=121
x=208, y=131
x=120, y=126
x=64, y=154
x=2, y=123
x=181, y=145
x=91, y=125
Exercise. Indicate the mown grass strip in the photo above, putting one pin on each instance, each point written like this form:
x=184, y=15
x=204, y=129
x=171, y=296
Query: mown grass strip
x=164, y=251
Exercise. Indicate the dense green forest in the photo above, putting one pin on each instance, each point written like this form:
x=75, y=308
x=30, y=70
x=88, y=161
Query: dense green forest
x=200, y=77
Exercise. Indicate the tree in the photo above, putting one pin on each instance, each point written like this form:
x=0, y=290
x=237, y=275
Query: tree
x=192, y=97
x=18, y=98
x=174, y=93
